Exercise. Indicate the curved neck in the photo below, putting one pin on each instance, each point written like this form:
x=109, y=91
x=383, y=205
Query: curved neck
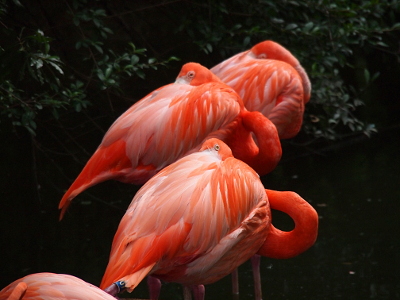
x=261, y=151
x=282, y=244
x=263, y=154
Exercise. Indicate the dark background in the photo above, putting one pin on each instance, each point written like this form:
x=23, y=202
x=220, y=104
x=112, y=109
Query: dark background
x=351, y=179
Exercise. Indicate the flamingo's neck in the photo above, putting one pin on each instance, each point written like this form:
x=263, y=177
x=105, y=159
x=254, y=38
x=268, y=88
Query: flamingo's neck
x=254, y=139
x=263, y=148
x=281, y=244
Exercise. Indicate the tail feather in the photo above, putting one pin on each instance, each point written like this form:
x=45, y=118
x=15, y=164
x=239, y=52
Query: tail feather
x=132, y=259
x=132, y=280
x=106, y=163
x=130, y=266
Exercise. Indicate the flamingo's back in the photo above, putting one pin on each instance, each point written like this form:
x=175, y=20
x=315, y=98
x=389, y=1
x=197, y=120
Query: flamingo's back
x=44, y=286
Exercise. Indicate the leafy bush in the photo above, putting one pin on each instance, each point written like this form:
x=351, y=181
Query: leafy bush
x=61, y=59
x=35, y=77
x=324, y=35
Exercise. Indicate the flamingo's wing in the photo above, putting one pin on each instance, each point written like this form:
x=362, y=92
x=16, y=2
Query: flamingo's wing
x=168, y=123
x=180, y=214
x=156, y=131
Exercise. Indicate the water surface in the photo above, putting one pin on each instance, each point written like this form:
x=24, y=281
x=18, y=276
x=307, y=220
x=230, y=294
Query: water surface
x=354, y=187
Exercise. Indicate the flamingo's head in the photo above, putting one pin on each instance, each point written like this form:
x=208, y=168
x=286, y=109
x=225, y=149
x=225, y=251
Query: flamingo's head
x=195, y=74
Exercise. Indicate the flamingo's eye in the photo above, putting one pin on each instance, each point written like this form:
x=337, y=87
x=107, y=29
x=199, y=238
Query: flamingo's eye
x=190, y=74
x=217, y=147
x=262, y=55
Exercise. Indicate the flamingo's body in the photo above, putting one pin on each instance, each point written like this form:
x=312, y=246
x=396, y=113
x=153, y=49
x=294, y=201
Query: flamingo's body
x=44, y=286
x=172, y=122
x=194, y=222
x=270, y=80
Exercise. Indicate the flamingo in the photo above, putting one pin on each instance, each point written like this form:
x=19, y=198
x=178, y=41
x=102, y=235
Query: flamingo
x=270, y=80
x=52, y=286
x=196, y=221
x=192, y=223
x=172, y=122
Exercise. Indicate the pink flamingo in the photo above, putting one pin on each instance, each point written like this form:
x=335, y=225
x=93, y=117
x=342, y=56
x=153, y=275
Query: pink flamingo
x=197, y=220
x=44, y=286
x=270, y=80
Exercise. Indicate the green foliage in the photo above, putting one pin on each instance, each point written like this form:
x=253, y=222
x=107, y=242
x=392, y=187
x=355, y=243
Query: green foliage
x=94, y=51
x=324, y=35
x=35, y=78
